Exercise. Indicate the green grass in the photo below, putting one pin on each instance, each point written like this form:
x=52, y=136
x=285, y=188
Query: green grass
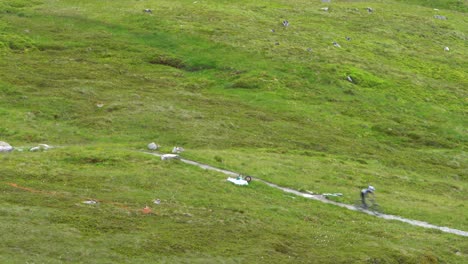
x=208, y=76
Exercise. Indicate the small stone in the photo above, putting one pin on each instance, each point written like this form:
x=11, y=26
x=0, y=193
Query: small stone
x=446, y=49
x=90, y=202
x=5, y=147
x=147, y=10
x=169, y=156
x=178, y=150
x=40, y=147
x=153, y=146
x=440, y=17
x=349, y=79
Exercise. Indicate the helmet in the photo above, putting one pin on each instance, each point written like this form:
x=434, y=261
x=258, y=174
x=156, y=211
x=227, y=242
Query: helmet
x=371, y=188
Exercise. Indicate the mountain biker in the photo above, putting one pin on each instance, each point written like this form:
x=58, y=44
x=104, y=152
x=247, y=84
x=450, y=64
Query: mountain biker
x=365, y=193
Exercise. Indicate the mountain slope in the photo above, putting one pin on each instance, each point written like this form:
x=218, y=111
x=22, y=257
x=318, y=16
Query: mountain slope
x=239, y=90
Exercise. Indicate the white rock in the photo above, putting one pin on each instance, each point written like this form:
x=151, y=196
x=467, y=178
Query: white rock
x=44, y=146
x=153, y=146
x=169, y=156
x=177, y=149
x=35, y=149
x=89, y=202
x=40, y=147
x=5, y=147
x=440, y=17
x=446, y=49
x=324, y=8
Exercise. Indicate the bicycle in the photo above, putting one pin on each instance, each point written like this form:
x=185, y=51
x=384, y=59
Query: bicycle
x=372, y=205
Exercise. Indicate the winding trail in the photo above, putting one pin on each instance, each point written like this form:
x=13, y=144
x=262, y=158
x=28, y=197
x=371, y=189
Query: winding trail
x=322, y=199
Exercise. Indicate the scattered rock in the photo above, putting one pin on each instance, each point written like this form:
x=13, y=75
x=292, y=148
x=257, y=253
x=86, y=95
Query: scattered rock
x=178, y=150
x=272, y=30
x=336, y=44
x=440, y=17
x=169, y=156
x=5, y=147
x=157, y=201
x=90, y=202
x=446, y=49
x=99, y=105
x=324, y=9
x=40, y=147
x=349, y=79
x=153, y=146
x=285, y=23
x=369, y=9
x=309, y=49
x=147, y=10
x=348, y=38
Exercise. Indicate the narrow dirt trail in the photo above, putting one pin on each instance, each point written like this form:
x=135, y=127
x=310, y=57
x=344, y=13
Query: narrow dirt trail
x=322, y=199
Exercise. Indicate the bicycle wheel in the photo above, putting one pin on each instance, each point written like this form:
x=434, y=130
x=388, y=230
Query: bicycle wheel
x=358, y=204
x=375, y=207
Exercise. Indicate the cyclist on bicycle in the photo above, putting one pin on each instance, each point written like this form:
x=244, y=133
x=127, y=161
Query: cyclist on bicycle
x=365, y=193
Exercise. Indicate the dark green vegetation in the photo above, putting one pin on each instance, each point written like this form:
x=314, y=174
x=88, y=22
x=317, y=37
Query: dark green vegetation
x=212, y=77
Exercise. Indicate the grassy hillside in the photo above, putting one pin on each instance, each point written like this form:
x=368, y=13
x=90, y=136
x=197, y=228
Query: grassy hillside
x=237, y=89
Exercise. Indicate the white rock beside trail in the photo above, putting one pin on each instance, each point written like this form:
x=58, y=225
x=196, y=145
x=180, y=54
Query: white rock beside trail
x=40, y=147
x=169, y=156
x=153, y=146
x=178, y=150
x=5, y=147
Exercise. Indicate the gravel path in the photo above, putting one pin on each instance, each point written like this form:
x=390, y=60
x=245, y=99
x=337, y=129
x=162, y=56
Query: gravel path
x=321, y=198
